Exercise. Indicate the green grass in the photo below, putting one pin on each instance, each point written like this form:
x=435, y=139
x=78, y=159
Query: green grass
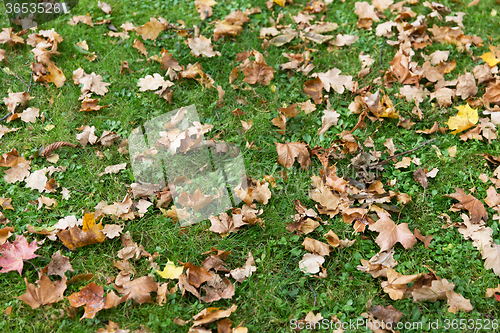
x=278, y=292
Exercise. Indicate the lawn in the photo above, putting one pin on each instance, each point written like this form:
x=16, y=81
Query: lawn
x=358, y=145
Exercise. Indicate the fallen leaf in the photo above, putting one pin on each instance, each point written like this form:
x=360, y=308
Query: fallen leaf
x=212, y=314
x=466, y=118
x=138, y=289
x=92, y=297
x=170, y=271
x=47, y=292
x=387, y=314
x=420, y=177
x=90, y=233
x=104, y=7
x=316, y=247
x=470, y=203
x=390, y=234
x=287, y=153
x=241, y=274
x=14, y=254
x=113, y=169
x=59, y=265
x=151, y=30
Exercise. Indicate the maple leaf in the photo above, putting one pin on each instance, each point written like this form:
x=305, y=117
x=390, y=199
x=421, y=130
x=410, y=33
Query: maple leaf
x=87, y=136
x=241, y=274
x=388, y=314
x=337, y=82
x=470, y=203
x=202, y=46
x=466, y=86
x=491, y=254
x=153, y=82
x=92, y=297
x=390, y=234
x=466, y=118
x=204, y=7
x=313, y=88
x=224, y=224
x=85, y=19
x=90, y=104
x=152, y=29
x=492, y=94
x=90, y=233
x=258, y=72
x=316, y=246
x=47, y=292
x=104, y=7
x=287, y=152
x=330, y=118
x=13, y=254
x=7, y=36
x=90, y=82
x=138, y=289
x=170, y=271
x=59, y=265
x=196, y=275
x=16, y=99
x=210, y=315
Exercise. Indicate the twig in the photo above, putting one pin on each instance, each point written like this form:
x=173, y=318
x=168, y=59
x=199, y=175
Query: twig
x=19, y=78
x=381, y=52
x=315, y=296
x=31, y=82
x=6, y=116
x=52, y=327
x=206, y=16
x=36, y=269
x=403, y=153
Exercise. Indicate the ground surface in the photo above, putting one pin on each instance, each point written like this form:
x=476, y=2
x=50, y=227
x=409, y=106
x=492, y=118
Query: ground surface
x=278, y=292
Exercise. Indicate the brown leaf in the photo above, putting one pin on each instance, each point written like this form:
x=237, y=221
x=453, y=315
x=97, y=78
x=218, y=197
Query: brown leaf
x=390, y=234
x=59, y=265
x=204, y=7
x=470, y=203
x=316, y=247
x=224, y=224
x=5, y=233
x=420, y=177
x=139, y=46
x=217, y=289
x=138, y=289
x=151, y=30
x=258, y=72
x=388, y=314
x=287, y=153
x=76, y=237
x=212, y=314
x=424, y=239
x=196, y=275
x=241, y=274
x=313, y=88
x=47, y=292
x=92, y=297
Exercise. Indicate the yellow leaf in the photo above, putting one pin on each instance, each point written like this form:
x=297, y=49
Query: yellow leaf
x=466, y=118
x=490, y=59
x=170, y=271
x=280, y=2
x=386, y=108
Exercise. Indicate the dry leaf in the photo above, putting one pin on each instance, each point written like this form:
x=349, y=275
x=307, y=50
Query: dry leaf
x=47, y=292
x=390, y=234
x=287, y=153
